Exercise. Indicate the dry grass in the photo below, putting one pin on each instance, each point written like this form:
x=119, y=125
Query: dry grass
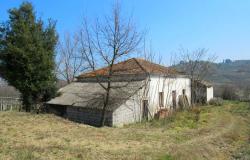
x=218, y=133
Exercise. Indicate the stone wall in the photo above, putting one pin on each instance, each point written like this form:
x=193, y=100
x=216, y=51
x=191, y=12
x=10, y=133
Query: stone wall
x=88, y=116
x=58, y=110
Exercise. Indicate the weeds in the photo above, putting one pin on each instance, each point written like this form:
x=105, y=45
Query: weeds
x=24, y=155
x=242, y=108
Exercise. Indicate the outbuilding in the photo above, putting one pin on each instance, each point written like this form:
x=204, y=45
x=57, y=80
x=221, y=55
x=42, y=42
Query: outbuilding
x=140, y=91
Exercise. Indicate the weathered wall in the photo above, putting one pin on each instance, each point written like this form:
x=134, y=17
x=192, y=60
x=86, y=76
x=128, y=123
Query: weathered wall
x=167, y=85
x=129, y=112
x=57, y=110
x=88, y=116
x=210, y=93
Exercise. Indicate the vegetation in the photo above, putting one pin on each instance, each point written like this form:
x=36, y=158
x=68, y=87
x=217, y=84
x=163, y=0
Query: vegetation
x=70, y=61
x=216, y=101
x=218, y=133
x=197, y=65
x=230, y=75
x=229, y=93
x=27, y=54
x=107, y=41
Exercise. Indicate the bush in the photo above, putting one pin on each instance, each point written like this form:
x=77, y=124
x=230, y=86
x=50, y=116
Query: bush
x=216, y=101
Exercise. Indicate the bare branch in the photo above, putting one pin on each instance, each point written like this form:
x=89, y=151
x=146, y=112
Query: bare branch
x=69, y=61
x=106, y=42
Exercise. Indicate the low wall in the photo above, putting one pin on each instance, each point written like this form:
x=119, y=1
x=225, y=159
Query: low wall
x=88, y=116
x=80, y=115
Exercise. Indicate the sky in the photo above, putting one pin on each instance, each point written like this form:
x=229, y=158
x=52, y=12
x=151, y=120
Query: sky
x=221, y=26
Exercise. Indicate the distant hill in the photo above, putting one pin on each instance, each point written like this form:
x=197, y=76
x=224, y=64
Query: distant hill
x=234, y=74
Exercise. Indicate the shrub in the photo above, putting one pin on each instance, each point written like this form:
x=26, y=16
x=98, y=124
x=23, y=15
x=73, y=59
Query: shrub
x=216, y=101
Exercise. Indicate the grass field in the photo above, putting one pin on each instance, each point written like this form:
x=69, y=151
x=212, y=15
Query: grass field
x=212, y=132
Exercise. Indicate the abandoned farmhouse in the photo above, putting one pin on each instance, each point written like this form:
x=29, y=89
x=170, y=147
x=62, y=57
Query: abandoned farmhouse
x=140, y=90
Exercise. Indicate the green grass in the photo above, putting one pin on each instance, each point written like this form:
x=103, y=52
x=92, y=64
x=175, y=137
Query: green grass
x=208, y=132
x=166, y=157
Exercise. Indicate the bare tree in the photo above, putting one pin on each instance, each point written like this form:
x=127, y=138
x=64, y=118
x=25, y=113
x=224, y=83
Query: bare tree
x=70, y=62
x=197, y=65
x=105, y=43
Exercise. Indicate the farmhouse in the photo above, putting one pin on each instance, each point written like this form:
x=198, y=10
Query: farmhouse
x=140, y=91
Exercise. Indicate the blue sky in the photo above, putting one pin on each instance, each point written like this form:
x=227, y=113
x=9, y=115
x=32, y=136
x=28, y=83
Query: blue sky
x=222, y=26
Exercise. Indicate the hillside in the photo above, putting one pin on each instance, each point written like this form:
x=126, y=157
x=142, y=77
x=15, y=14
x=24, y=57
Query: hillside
x=231, y=73
x=208, y=133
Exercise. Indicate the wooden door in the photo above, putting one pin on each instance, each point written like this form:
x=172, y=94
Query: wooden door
x=145, y=109
x=174, y=99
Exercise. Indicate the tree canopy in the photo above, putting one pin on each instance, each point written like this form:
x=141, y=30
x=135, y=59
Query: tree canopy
x=27, y=51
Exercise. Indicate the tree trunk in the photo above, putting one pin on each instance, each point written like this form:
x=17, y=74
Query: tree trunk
x=27, y=108
x=26, y=103
x=105, y=104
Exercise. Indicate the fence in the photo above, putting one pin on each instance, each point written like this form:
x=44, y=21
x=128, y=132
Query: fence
x=10, y=103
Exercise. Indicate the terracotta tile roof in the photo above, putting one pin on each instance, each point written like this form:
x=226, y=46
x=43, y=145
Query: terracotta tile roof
x=132, y=66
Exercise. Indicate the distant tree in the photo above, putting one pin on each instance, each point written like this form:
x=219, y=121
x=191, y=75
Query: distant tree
x=197, y=65
x=70, y=61
x=246, y=92
x=229, y=93
x=228, y=61
x=27, y=48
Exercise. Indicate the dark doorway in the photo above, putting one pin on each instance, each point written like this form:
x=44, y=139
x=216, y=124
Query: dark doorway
x=174, y=99
x=161, y=99
x=145, y=109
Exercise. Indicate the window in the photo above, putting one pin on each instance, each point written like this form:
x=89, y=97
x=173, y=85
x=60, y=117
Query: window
x=161, y=99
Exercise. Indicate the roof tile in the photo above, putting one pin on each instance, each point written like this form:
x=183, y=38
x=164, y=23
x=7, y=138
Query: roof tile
x=131, y=66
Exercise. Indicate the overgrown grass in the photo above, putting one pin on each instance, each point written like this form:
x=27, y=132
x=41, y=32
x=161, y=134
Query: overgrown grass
x=166, y=157
x=240, y=108
x=179, y=120
x=209, y=132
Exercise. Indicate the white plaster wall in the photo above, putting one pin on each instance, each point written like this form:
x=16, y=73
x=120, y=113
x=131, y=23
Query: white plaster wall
x=210, y=93
x=167, y=85
x=131, y=111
